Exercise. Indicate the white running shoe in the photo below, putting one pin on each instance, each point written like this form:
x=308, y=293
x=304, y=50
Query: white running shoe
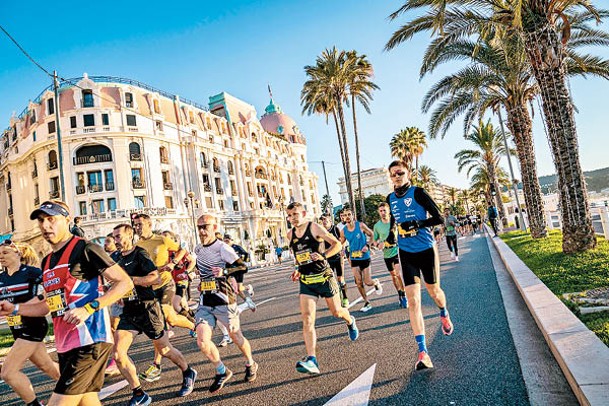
x=378, y=287
x=452, y=255
x=456, y=258
x=250, y=290
x=242, y=307
x=250, y=304
x=366, y=308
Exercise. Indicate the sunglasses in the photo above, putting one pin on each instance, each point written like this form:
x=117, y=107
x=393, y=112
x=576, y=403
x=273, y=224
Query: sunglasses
x=8, y=242
x=204, y=226
x=396, y=174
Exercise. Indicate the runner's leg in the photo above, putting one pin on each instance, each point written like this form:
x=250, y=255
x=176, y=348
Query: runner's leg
x=308, y=310
x=122, y=342
x=14, y=363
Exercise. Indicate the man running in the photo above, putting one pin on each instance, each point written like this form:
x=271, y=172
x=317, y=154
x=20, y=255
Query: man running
x=410, y=206
x=158, y=248
x=359, y=254
x=385, y=239
x=307, y=242
x=216, y=261
x=336, y=262
x=493, y=215
x=182, y=274
x=142, y=314
x=243, y=293
x=450, y=225
x=71, y=277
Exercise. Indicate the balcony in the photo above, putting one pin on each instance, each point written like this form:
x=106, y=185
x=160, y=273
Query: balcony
x=80, y=190
x=164, y=159
x=207, y=188
x=34, y=174
x=36, y=201
x=52, y=165
x=216, y=169
x=138, y=184
x=96, y=188
x=233, y=192
x=135, y=157
x=219, y=191
x=54, y=194
x=167, y=186
x=91, y=159
x=109, y=186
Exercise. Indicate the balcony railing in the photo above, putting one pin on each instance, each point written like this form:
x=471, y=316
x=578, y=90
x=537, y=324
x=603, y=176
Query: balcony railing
x=207, y=188
x=36, y=201
x=219, y=191
x=109, y=186
x=90, y=159
x=136, y=157
x=167, y=186
x=54, y=194
x=80, y=190
x=96, y=188
x=52, y=165
x=138, y=184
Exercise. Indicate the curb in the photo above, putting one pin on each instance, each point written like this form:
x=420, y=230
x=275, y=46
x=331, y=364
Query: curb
x=581, y=355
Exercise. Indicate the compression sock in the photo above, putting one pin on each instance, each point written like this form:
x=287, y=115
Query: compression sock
x=421, y=342
x=401, y=293
x=443, y=312
x=138, y=391
x=186, y=371
x=221, y=369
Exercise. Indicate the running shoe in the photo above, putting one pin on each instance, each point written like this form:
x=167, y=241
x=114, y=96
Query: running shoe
x=142, y=400
x=220, y=381
x=250, y=304
x=345, y=303
x=456, y=258
x=112, y=369
x=250, y=290
x=242, y=307
x=193, y=333
x=152, y=374
x=170, y=333
x=366, y=307
x=447, y=325
x=226, y=340
x=452, y=255
x=251, y=372
x=403, y=302
x=378, y=287
x=188, y=384
x=353, y=330
x=307, y=366
x=424, y=362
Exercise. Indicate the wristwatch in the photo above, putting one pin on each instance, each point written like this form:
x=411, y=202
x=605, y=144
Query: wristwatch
x=225, y=272
x=15, y=310
x=92, y=307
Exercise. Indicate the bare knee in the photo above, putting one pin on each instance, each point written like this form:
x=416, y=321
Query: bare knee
x=435, y=292
x=359, y=283
x=7, y=373
x=308, y=322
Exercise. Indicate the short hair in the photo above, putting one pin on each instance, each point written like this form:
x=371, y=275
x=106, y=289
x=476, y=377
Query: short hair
x=173, y=235
x=295, y=205
x=27, y=254
x=324, y=216
x=143, y=216
x=77, y=219
x=347, y=209
x=399, y=162
x=383, y=204
x=110, y=235
x=125, y=226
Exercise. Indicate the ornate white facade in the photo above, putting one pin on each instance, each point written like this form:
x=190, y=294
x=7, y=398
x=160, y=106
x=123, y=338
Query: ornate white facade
x=129, y=147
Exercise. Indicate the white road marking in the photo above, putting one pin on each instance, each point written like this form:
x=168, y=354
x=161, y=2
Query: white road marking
x=357, y=393
x=265, y=301
x=359, y=299
x=111, y=389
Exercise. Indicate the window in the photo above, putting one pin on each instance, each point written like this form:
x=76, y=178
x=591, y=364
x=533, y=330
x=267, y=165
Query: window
x=231, y=168
x=159, y=125
x=97, y=206
x=112, y=204
x=129, y=100
x=209, y=203
x=235, y=205
x=32, y=116
x=169, y=202
x=165, y=176
x=139, y=201
x=136, y=175
x=203, y=160
x=52, y=160
x=83, y=208
x=109, y=179
x=55, y=185
x=221, y=204
x=89, y=120
x=164, y=155
x=233, y=188
x=157, y=108
x=87, y=98
x=191, y=117
x=131, y=121
x=51, y=126
x=105, y=119
x=135, y=151
x=50, y=106
x=73, y=122
x=95, y=181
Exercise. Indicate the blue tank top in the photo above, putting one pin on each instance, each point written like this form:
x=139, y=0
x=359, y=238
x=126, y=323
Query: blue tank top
x=357, y=241
x=406, y=208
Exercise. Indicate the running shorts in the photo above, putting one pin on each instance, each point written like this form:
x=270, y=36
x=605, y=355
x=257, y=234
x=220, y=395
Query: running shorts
x=32, y=329
x=238, y=276
x=148, y=320
x=225, y=314
x=360, y=263
x=326, y=289
x=116, y=310
x=182, y=289
x=82, y=369
x=165, y=293
x=389, y=262
x=416, y=263
x=336, y=264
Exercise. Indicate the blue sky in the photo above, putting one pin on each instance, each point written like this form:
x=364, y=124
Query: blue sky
x=199, y=48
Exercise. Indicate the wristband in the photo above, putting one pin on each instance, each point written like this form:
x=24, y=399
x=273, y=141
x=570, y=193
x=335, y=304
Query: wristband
x=89, y=308
x=15, y=310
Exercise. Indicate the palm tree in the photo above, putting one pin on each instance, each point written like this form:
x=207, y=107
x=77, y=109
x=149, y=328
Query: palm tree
x=360, y=88
x=489, y=148
x=538, y=23
x=408, y=145
x=467, y=196
x=426, y=177
x=453, y=194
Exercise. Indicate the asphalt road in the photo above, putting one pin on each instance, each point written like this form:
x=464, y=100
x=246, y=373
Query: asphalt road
x=477, y=365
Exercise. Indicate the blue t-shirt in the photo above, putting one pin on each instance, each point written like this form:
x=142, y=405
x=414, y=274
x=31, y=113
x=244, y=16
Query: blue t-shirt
x=406, y=208
x=357, y=241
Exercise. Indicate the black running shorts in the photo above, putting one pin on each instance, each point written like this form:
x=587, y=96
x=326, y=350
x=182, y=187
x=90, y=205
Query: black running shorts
x=389, y=262
x=238, y=276
x=416, y=263
x=182, y=289
x=336, y=264
x=148, y=320
x=32, y=329
x=82, y=369
x=165, y=294
x=360, y=263
x=327, y=289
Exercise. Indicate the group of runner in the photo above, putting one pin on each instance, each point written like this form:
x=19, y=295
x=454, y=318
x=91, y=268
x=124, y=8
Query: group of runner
x=79, y=281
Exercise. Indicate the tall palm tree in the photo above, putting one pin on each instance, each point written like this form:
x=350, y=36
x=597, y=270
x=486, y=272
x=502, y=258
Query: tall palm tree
x=360, y=87
x=538, y=23
x=489, y=149
x=408, y=145
x=426, y=177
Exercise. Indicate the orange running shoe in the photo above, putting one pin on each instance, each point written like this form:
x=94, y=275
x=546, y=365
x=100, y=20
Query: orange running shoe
x=424, y=362
x=447, y=325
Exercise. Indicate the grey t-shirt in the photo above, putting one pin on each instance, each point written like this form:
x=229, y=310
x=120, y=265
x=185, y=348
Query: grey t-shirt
x=217, y=254
x=450, y=223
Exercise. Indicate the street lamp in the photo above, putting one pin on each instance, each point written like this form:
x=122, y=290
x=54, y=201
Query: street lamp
x=193, y=203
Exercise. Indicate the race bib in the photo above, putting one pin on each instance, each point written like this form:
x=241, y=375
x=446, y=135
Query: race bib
x=208, y=286
x=406, y=234
x=56, y=300
x=303, y=257
x=357, y=254
x=14, y=321
x=130, y=296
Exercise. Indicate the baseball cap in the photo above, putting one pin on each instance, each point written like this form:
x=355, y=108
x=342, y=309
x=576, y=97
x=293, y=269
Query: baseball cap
x=227, y=237
x=50, y=208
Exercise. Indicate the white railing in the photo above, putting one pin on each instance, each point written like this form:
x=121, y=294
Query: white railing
x=600, y=220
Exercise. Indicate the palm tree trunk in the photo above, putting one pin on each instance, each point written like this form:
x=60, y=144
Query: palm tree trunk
x=341, y=117
x=492, y=174
x=546, y=55
x=340, y=145
x=520, y=124
x=362, y=208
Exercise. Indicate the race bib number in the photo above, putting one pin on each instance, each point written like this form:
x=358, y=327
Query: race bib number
x=130, y=296
x=357, y=254
x=406, y=234
x=208, y=286
x=14, y=321
x=304, y=257
x=450, y=228
x=56, y=300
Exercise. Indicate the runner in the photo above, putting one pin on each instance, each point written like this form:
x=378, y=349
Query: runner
x=72, y=281
x=410, y=206
x=492, y=215
x=385, y=239
x=316, y=280
x=115, y=309
x=216, y=261
x=243, y=293
x=182, y=275
x=450, y=224
x=20, y=282
x=336, y=262
x=142, y=314
x=359, y=254
x=158, y=248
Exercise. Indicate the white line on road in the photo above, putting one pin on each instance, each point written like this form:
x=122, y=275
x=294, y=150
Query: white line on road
x=265, y=301
x=357, y=393
x=110, y=389
x=359, y=299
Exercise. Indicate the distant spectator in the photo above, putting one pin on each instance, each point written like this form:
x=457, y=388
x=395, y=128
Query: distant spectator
x=279, y=251
x=243, y=254
x=77, y=230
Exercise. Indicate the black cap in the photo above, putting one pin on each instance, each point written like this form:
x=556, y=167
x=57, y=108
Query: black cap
x=50, y=208
x=227, y=237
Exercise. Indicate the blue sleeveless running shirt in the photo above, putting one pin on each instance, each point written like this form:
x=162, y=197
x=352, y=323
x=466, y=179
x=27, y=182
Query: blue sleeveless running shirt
x=406, y=208
x=357, y=241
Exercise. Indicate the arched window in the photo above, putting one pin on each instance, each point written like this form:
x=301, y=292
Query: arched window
x=92, y=153
x=260, y=173
x=216, y=165
x=231, y=168
x=164, y=155
x=254, y=137
x=52, y=160
x=289, y=179
x=203, y=160
x=135, y=153
x=157, y=108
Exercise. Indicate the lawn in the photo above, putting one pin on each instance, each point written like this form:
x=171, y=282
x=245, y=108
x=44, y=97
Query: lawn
x=6, y=337
x=566, y=273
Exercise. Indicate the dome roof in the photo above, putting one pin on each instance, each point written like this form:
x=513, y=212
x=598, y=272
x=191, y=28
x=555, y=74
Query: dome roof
x=275, y=121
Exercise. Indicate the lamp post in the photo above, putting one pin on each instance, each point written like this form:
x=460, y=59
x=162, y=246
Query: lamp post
x=193, y=203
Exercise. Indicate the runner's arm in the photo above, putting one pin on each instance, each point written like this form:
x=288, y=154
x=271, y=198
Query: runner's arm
x=120, y=284
x=421, y=196
x=151, y=279
x=335, y=246
x=236, y=266
x=36, y=307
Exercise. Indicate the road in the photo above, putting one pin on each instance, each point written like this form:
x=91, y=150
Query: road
x=477, y=365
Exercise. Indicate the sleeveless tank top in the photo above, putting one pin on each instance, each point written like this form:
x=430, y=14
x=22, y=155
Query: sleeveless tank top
x=303, y=247
x=357, y=241
x=406, y=208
